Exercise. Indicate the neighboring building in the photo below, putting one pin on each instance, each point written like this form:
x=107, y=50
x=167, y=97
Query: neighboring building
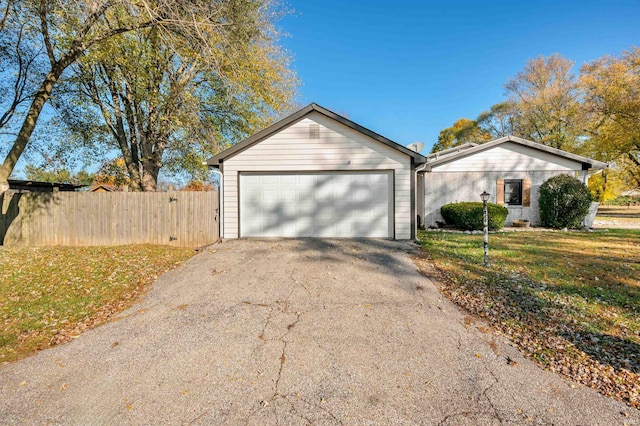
x=318, y=174
x=35, y=186
x=105, y=188
x=511, y=169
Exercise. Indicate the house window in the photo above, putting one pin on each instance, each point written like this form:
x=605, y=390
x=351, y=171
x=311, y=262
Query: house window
x=513, y=192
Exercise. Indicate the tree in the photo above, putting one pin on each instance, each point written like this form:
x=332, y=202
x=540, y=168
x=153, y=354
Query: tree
x=198, y=186
x=607, y=185
x=611, y=90
x=170, y=106
x=59, y=176
x=4, y=6
x=19, y=62
x=67, y=29
x=499, y=121
x=112, y=173
x=462, y=131
x=545, y=98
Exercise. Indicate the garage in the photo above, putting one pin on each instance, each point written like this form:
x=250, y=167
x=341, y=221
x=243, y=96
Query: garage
x=317, y=174
x=334, y=204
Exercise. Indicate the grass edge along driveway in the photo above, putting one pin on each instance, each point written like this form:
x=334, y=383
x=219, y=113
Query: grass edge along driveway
x=49, y=295
x=568, y=300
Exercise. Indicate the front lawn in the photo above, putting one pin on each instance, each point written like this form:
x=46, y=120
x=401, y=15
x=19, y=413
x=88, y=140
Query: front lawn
x=569, y=300
x=51, y=294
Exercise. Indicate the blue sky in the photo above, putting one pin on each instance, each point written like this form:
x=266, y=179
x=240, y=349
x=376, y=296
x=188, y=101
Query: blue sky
x=407, y=69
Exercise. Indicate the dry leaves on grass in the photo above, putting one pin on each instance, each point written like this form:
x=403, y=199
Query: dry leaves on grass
x=584, y=332
x=49, y=295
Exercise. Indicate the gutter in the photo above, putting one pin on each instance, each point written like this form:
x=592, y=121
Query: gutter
x=423, y=168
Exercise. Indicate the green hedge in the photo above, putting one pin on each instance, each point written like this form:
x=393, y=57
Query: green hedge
x=624, y=200
x=468, y=215
x=564, y=202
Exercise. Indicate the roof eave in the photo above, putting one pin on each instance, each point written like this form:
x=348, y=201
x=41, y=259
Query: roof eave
x=533, y=145
x=217, y=159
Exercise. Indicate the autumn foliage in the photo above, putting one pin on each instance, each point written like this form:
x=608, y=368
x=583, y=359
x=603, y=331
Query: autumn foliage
x=197, y=185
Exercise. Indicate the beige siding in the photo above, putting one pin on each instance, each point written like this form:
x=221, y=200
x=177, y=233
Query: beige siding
x=442, y=188
x=338, y=148
x=510, y=156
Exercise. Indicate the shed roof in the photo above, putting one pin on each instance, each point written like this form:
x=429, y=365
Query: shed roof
x=39, y=186
x=299, y=115
x=451, y=154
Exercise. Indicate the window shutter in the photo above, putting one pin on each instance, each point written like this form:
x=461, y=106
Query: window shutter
x=526, y=192
x=500, y=191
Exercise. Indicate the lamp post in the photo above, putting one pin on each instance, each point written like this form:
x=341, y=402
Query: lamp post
x=485, y=221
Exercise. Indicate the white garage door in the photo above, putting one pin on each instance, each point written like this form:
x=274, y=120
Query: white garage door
x=335, y=204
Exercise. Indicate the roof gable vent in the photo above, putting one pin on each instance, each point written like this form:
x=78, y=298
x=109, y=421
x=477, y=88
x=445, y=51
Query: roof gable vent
x=314, y=131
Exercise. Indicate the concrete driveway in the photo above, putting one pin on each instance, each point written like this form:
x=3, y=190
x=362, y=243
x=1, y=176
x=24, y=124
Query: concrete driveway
x=294, y=332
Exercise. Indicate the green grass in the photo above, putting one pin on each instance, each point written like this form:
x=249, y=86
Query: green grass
x=50, y=294
x=570, y=300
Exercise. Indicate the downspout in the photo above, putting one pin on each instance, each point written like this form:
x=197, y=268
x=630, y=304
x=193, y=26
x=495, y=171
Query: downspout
x=414, y=225
x=217, y=171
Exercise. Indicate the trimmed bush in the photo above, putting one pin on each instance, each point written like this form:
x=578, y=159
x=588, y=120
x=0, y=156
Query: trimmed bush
x=564, y=202
x=468, y=215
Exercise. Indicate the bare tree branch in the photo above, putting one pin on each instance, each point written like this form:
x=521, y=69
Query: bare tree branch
x=5, y=15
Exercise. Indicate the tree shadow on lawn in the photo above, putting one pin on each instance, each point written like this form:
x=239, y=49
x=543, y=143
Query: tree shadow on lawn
x=512, y=298
x=615, y=286
x=606, y=349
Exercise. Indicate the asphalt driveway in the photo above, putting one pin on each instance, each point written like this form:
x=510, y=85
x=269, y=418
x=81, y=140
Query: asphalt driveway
x=294, y=332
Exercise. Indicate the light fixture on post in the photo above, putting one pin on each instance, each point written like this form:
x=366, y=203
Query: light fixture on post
x=485, y=221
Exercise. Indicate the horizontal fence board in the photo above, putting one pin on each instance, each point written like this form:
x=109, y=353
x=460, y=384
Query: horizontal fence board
x=187, y=219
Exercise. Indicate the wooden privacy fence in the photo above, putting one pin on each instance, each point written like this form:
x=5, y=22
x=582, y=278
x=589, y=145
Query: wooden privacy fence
x=187, y=219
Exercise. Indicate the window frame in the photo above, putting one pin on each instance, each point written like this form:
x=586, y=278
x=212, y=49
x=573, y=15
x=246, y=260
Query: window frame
x=507, y=194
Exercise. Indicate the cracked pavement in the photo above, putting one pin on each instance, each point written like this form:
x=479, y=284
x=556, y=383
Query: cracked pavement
x=322, y=332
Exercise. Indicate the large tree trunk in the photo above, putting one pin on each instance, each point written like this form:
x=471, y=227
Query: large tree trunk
x=150, y=180
x=29, y=124
x=150, y=171
x=634, y=170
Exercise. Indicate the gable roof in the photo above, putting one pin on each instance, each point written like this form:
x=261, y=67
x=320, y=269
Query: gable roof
x=299, y=115
x=587, y=163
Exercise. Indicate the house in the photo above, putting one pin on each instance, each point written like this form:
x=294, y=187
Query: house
x=511, y=169
x=318, y=174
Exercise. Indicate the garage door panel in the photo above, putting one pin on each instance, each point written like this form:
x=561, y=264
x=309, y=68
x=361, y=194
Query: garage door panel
x=332, y=204
x=305, y=179
x=306, y=208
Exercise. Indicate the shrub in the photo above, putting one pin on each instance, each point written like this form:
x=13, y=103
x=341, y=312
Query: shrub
x=468, y=215
x=625, y=200
x=564, y=202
